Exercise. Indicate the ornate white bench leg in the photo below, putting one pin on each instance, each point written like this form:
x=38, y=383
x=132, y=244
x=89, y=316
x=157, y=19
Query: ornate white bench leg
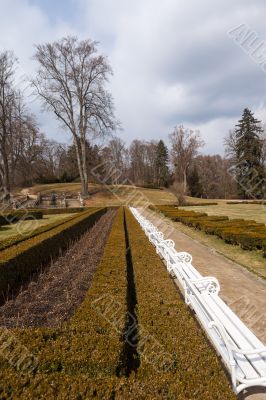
x=187, y=292
x=221, y=331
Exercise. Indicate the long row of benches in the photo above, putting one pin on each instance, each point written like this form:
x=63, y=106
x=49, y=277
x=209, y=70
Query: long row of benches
x=242, y=352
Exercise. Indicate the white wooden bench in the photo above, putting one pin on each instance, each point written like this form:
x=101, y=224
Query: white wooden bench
x=242, y=352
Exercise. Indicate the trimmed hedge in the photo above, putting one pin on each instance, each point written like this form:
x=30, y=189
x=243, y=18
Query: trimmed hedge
x=85, y=358
x=177, y=361
x=48, y=211
x=82, y=359
x=263, y=202
x=188, y=204
x=19, y=261
x=90, y=343
x=248, y=234
x=14, y=217
x=12, y=240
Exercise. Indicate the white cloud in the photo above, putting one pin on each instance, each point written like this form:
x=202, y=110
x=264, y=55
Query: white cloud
x=173, y=60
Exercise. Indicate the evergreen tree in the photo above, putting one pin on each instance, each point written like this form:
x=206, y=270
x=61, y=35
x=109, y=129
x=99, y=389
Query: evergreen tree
x=161, y=163
x=194, y=183
x=248, y=156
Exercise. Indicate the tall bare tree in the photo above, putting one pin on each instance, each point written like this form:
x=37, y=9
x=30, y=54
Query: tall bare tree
x=185, y=145
x=71, y=80
x=7, y=98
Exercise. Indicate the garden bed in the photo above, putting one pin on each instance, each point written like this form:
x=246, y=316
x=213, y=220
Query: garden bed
x=89, y=357
x=52, y=296
x=21, y=260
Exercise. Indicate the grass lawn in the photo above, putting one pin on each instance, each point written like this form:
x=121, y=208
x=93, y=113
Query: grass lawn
x=23, y=227
x=245, y=211
x=54, y=187
x=129, y=195
x=113, y=195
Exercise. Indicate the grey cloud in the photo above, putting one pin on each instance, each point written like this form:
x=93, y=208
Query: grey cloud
x=173, y=60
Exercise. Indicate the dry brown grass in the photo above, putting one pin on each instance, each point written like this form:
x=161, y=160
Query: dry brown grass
x=245, y=211
x=113, y=195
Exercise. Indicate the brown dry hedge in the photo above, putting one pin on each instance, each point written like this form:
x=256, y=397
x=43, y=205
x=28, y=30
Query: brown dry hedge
x=79, y=360
x=49, y=211
x=175, y=354
x=84, y=358
x=248, y=234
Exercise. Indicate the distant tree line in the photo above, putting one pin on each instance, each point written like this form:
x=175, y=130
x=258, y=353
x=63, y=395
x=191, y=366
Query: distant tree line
x=70, y=81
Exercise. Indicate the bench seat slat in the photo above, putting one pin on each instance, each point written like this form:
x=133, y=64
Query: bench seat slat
x=239, y=339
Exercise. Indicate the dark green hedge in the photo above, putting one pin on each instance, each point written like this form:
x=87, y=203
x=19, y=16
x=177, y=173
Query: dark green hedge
x=13, y=217
x=48, y=211
x=30, y=233
x=19, y=261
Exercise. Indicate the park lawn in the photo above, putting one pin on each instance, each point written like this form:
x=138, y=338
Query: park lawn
x=256, y=212
x=24, y=227
x=55, y=187
x=115, y=195
x=108, y=195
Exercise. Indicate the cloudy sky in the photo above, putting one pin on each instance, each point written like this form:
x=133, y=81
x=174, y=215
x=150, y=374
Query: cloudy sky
x=173, y=60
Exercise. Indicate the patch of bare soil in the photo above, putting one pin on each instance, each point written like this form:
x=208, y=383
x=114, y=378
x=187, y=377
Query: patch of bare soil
x=55, y=294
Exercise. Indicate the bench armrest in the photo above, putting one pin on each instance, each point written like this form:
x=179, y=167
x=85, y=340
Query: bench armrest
x=184, y=257
x=213, y=285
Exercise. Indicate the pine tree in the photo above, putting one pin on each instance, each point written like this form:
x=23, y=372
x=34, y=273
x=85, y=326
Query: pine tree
x=194, y=183
x=248, y=154
x=161, y=162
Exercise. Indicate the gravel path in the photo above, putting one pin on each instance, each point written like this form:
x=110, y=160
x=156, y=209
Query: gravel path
x=242, y=290
x=55, y=294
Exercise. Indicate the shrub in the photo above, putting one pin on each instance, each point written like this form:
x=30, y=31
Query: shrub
x=263, y=202
x=18, y=238
x=188, y=204
x=48, y=211
x=19, y=261
x=248, y=234
x=13, y=217
x=175, y=354
x=82, y=358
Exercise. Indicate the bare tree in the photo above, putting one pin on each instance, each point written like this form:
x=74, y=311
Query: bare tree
x=215, y=178
x=230, y=143
x=7, y=69
x=71, y=81
x=115, y=152
x=185, y=144
x=137, y=158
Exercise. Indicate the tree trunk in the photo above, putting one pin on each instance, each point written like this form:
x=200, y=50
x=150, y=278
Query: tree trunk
x=84, y=168
x=84, y=184
x=6, y=181
x=185, y=181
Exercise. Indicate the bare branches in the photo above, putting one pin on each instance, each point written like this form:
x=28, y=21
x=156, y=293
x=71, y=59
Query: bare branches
x=71, y=81
x=185, y=145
